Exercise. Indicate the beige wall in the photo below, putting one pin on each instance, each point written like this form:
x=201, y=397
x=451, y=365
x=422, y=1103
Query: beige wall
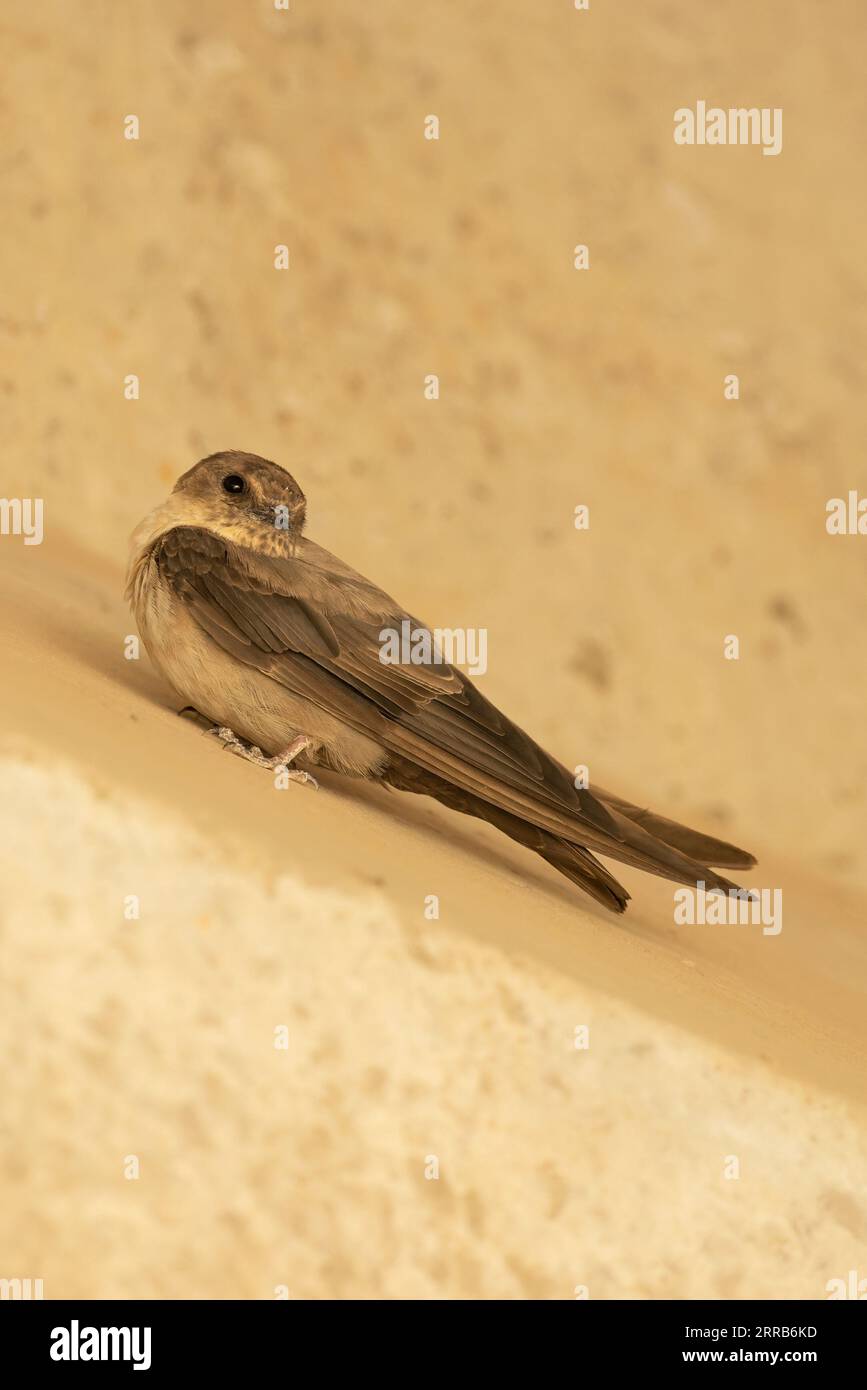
x=454, y=257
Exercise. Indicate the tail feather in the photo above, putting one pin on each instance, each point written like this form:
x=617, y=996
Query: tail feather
x=581, y=868
x=704, y=849
x=638, y=843
x=642, y=849
x=573, y=861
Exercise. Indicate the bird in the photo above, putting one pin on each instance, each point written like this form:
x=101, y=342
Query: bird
x=278, y=645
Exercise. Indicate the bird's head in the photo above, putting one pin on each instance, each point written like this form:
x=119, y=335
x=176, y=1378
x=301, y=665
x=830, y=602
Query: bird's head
x=250, y=496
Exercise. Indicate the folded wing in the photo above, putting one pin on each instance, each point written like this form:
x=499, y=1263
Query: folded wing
x=314, y=626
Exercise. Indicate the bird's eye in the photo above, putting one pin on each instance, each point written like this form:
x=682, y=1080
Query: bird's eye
x=234, y=483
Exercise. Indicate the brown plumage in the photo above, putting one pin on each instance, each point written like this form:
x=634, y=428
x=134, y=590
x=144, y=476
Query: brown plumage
x=268, y=634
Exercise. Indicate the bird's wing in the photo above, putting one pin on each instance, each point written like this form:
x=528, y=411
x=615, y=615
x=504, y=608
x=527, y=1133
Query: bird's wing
x=314, y=626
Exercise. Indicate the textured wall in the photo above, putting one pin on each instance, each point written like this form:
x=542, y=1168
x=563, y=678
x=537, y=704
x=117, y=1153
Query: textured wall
x=558, y=387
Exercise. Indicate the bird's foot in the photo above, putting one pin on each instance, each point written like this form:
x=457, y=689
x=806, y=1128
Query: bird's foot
x=253, y=754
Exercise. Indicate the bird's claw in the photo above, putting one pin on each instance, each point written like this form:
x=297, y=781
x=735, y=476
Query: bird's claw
x=252, y=753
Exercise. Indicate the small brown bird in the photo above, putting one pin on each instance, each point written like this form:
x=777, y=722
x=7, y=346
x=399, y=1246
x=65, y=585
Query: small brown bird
x=280, y=645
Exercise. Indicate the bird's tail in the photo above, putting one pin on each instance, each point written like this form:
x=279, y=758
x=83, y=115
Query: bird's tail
x=704, y=849
x=574, y=862
x=654, y=844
